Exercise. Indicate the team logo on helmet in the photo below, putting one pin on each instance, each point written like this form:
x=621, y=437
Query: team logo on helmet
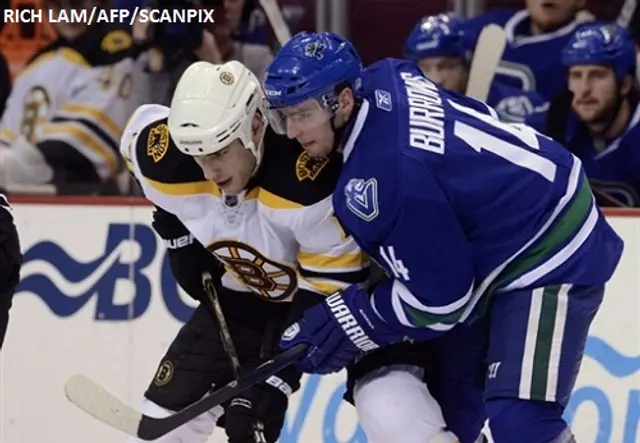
x=226, y=78
x=315, y=50
x=158, y=142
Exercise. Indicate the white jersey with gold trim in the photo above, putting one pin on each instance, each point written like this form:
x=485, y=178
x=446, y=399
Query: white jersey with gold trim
x=72, y=101
x=279, y=235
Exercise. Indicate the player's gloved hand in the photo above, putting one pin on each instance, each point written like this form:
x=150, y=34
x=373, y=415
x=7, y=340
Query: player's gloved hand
x=337, y=331
x=266, y=404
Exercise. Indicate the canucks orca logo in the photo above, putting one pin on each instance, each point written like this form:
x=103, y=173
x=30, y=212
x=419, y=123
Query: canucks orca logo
x=315, y=50
x=362, y=198
x=66, y=284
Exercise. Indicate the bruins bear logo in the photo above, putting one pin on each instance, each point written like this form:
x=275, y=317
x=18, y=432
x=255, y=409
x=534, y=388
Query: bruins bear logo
x=308, y=167
x=158, y=142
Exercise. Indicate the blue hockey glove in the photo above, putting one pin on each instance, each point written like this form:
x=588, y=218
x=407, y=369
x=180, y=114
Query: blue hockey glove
x=338, y=330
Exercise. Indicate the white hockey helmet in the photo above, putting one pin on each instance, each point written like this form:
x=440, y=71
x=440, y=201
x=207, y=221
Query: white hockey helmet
x=214, y=105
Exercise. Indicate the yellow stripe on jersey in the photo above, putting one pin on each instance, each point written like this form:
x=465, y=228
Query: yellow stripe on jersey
x=95, y=115
x=7, y=136
x=68, y=54
x=84, y=136
x=346, y=262
x=193, y=188
x=326, y=287
x=183, y=189
x=276, y=202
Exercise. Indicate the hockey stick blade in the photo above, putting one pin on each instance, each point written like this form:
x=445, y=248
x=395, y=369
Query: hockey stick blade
x=486, y=59
x=97, y=402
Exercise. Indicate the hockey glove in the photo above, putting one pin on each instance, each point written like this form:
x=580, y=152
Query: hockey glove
x=337, y=331
x=265, y=403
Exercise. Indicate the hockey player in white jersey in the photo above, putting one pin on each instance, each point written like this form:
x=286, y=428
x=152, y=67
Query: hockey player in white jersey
x=252, y=209
x=68, y=107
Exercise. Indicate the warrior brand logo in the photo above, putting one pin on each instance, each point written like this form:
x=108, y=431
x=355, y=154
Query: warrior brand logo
x=345, y=318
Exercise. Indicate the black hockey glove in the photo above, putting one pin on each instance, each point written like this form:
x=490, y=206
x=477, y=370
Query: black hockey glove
x=265, y=403
x=188, y=258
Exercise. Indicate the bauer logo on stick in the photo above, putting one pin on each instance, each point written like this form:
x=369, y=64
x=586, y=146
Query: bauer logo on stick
x=164, y=374
x=158, y=142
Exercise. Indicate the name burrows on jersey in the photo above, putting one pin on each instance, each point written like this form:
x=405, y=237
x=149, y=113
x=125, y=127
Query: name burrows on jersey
x=279, y=235
x=456, y=204
x=72, y=101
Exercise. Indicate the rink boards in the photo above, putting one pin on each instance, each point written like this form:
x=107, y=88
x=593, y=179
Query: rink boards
x=97, y=297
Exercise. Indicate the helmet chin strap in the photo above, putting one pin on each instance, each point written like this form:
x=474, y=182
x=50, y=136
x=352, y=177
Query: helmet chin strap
x=258, y=152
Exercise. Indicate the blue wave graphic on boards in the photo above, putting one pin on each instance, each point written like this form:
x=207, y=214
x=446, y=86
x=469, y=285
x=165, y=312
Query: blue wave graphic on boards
x=612, y=361
x=65, y=284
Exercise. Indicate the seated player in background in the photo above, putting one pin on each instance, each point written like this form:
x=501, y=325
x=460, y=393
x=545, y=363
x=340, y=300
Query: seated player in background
x=483, y=226
x=182, y=44
x=262, y=207
x=438, y=44
x=598, y=119
x=69, y=105
x=535, y=38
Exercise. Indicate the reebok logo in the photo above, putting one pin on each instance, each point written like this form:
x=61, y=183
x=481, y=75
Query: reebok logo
x=349, y=324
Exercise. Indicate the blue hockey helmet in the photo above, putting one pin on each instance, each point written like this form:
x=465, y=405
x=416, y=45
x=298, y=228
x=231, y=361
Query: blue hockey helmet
x=311, y=66
x=598, y=43
x=435, y=36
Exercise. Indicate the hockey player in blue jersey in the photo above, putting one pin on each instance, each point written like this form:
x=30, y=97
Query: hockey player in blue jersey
x=474, y=220
x=603, y=125
x=439, y=45
x=535, y=38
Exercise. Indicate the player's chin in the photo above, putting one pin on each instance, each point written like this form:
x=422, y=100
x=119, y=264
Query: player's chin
x=316, y=149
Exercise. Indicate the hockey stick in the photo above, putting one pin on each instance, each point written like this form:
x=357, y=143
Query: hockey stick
x=274, y=15
x=97, y=402
x=227, y=342
x=486, y=59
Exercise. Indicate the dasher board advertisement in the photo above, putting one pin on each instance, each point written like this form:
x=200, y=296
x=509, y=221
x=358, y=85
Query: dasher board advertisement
x=97, y=297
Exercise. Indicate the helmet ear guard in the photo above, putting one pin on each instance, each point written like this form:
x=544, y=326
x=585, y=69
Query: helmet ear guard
x=213, y=105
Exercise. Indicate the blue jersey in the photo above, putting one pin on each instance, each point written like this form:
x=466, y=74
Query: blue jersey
x=455, y=204
x=517, y=106
x=530, y=62
x=613, y=166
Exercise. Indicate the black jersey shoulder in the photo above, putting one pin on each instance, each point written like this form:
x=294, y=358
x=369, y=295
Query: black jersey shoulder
x=160, y=160
x=290, y=173
x=105, y=44
x=102, y=44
